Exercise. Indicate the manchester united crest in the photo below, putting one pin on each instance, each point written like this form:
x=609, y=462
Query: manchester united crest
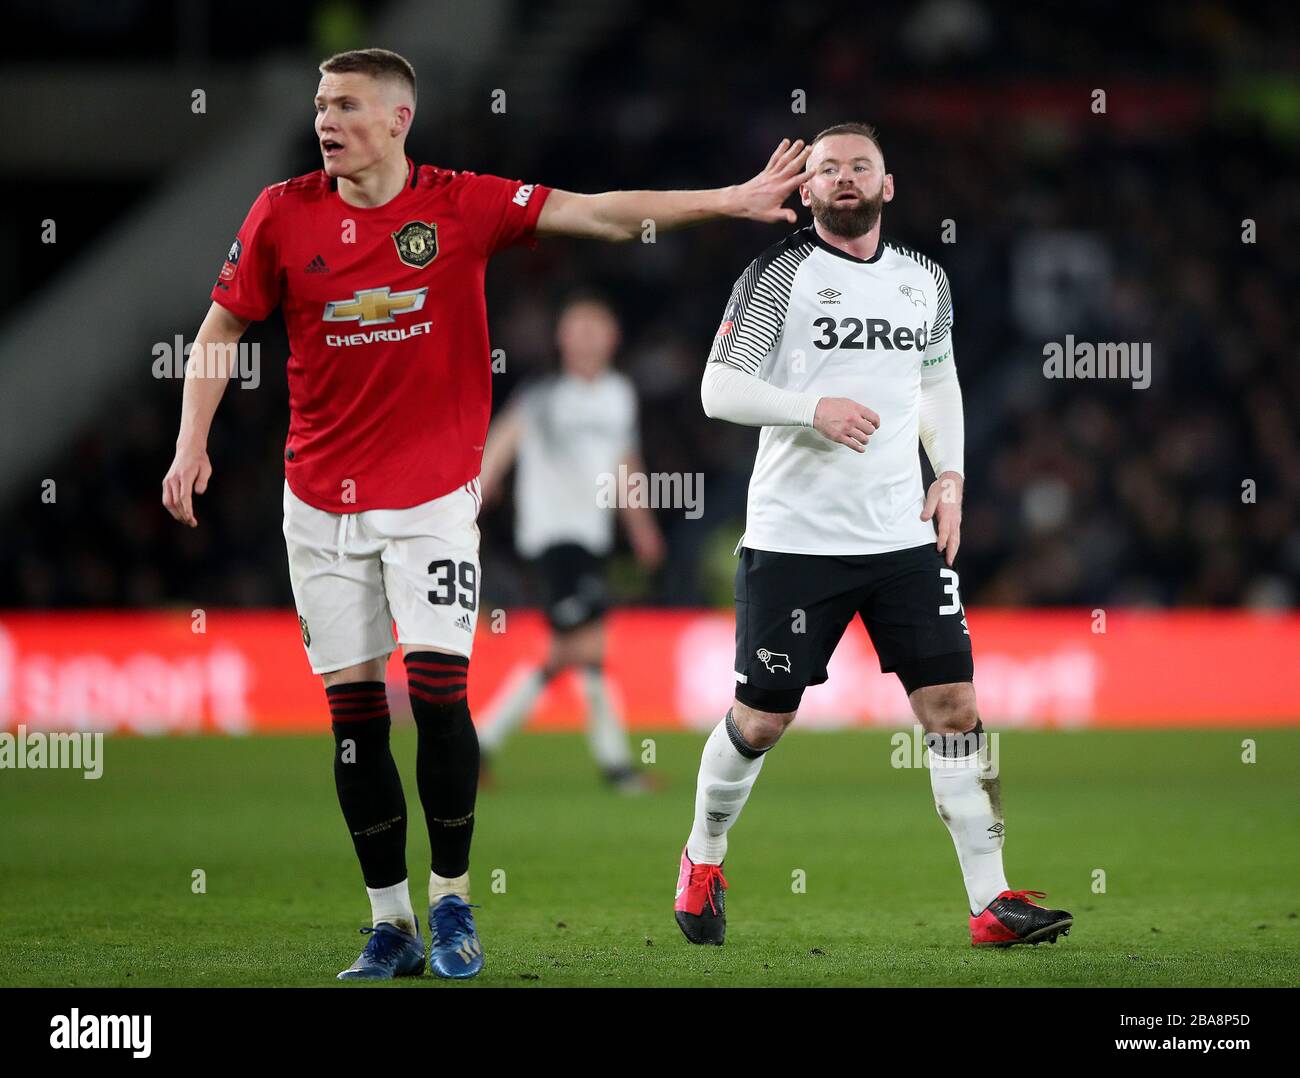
x=417, y=243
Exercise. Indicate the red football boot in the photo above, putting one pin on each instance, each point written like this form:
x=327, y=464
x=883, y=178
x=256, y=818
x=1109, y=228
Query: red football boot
x=700, y=908
x=1011, y=918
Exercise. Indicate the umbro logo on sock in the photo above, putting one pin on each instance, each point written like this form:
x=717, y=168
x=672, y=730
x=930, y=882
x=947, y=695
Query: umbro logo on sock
x=317, y=265
x=462, y=622
x=996, y=829
x=719, y=817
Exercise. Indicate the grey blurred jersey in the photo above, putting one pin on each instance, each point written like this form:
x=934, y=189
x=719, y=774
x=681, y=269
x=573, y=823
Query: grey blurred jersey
x=573, y=431
x=807, y=317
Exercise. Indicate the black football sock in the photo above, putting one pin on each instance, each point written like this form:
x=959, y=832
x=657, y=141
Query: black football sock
x=447, y=760
x=369, y=788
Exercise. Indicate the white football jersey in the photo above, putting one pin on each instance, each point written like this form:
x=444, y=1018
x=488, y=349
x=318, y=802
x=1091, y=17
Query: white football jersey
x=573, y=432
x=809, y=318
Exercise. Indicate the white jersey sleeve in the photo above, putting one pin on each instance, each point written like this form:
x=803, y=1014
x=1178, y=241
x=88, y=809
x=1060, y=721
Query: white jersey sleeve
x=941, y=421
x=754, y=321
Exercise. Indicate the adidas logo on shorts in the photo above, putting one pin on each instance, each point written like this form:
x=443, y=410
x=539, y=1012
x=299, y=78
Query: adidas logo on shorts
x=462, y=622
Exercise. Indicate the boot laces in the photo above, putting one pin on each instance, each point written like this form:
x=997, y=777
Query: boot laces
x=703, y=876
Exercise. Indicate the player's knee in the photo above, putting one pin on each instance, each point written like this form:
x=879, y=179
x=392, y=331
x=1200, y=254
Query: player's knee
x=946, y=709
x=371, y=670
x=583, y=646
x=437, y=682
x=760, y=729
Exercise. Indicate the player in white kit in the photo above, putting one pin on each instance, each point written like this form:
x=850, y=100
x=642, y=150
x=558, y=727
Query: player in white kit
x=569, y=435
x=839, y=524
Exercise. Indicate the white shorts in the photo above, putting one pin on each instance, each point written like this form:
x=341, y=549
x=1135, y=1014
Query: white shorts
x=354, y=574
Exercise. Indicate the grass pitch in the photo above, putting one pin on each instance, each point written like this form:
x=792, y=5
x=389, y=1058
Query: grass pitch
x=1200, y=854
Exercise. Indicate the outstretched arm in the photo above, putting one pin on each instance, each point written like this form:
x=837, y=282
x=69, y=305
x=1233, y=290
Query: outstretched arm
x=211, y=363
x=620, y=215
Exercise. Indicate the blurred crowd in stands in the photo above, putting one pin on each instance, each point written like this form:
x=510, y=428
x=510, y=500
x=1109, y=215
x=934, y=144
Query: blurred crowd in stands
x=1171, y=218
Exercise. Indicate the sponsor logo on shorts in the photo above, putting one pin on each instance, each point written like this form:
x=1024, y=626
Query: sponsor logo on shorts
x=306, y=633
x=774, y=660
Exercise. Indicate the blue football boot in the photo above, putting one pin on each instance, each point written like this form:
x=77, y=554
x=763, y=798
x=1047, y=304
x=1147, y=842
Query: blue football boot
x=389, y=953
x=455, y=950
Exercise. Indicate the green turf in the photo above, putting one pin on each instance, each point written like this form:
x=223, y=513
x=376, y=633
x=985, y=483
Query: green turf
x=1200, y=853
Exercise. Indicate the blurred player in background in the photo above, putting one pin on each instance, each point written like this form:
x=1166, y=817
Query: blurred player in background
x=838, y=523
x=378, y=265
x=566, y=433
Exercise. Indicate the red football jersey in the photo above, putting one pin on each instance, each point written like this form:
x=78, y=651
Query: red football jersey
x=390, y=380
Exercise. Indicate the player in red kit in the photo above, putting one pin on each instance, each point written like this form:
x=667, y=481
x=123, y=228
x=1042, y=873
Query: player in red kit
x=378, y=264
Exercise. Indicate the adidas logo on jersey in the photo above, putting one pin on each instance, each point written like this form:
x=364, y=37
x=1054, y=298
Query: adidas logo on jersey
x=317, y=265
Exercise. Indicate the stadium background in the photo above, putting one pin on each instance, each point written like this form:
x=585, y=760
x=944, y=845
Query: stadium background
x=1081, y=495
x=1084, y=498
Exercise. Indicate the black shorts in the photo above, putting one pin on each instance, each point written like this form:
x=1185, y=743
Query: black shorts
x=792, y=610
x=575, y=586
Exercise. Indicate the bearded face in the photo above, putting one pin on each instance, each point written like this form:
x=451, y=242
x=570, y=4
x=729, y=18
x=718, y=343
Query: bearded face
x=848, y=212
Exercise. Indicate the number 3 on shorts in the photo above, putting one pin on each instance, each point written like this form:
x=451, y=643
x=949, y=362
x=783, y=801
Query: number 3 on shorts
x=950, y=584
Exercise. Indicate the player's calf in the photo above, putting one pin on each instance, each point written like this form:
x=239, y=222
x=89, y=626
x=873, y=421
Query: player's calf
x=762, y=715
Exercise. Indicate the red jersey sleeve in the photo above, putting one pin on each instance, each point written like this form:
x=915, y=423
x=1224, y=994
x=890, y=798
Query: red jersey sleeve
x=502, y=212
x=249, y=283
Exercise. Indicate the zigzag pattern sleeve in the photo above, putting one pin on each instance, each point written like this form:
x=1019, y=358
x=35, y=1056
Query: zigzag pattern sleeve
x=941, y=332
x=755, y=314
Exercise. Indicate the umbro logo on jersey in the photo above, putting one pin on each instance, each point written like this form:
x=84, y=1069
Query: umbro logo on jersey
x=829, y=295
x=316, y=265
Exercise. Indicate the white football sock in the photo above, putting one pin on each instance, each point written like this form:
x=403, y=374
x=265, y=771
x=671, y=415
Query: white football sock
x=968, y=797
x=605, y=733
x=504, y=719
x=726, y=777
x=392, y=905
x=440, y=886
